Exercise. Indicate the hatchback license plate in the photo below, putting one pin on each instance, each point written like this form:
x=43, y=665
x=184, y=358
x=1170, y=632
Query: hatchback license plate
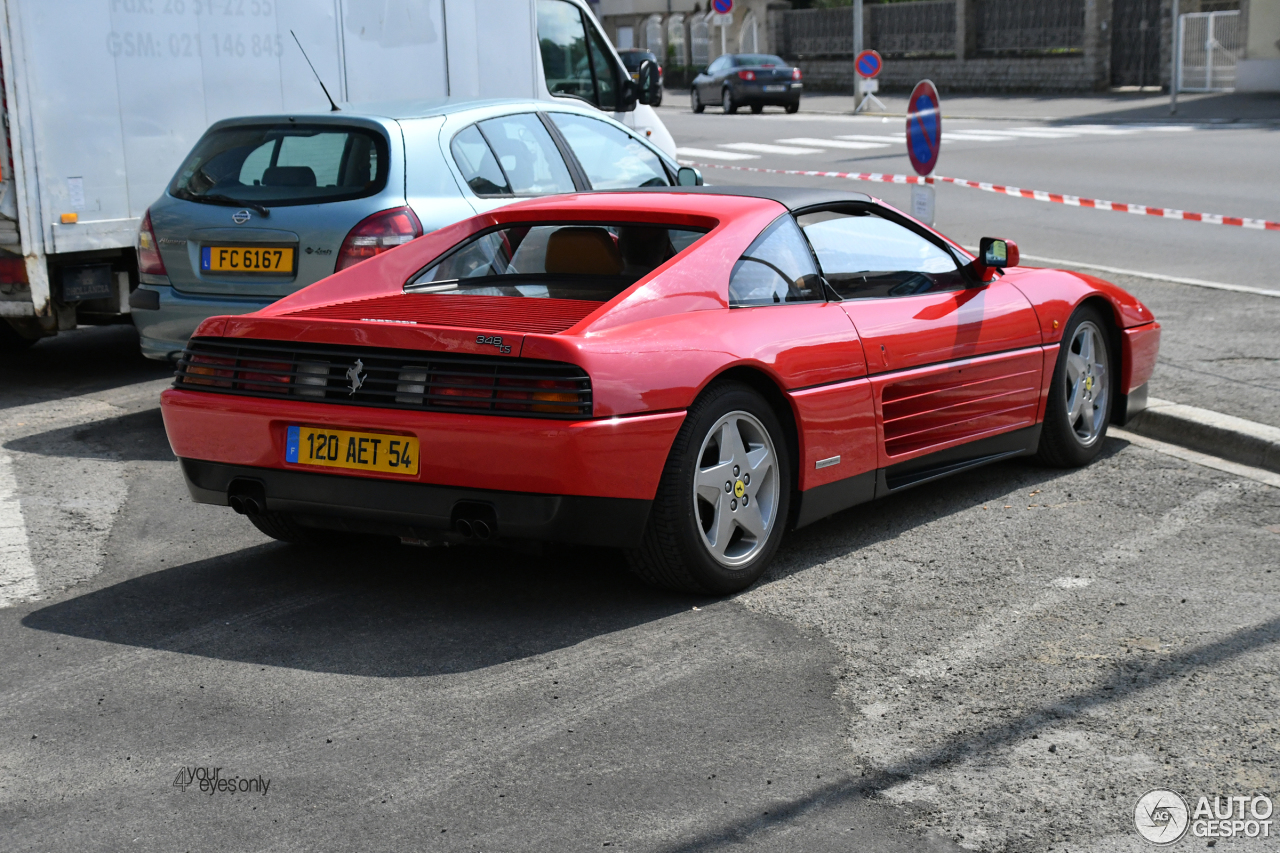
x=775, y=88
x=277, y=260
x=359, y=451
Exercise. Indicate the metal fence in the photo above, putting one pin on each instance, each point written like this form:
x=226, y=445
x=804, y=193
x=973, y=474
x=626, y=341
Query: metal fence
x=926, y=28
x=1209, y=43
x=1030, y=27
x=818, y=32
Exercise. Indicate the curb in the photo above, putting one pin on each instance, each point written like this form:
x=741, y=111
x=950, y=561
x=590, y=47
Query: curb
x=1224, y=436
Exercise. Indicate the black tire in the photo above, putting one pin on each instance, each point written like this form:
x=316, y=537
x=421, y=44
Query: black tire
x=696, y=102
x=726, y=101
x=676, y=552
x=1068, y=441
x=793, y=108
x=756, y=109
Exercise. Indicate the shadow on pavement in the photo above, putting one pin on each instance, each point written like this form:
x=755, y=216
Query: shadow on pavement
x=982, y=739
x=136, y=437
x=80, y=361
x=385, y=611
x=1224, y=107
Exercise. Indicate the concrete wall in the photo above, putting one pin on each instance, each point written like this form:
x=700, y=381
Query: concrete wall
x=1259, y=70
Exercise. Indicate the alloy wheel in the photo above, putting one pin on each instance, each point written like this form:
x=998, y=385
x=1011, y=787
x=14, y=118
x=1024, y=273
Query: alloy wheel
x=736, y=490
x=1088, y=383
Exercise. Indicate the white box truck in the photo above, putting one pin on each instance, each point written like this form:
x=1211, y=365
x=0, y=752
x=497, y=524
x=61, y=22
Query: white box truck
x=102, y=100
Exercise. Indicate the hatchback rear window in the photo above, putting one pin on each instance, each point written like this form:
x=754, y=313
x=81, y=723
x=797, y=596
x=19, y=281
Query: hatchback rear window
x=283, y=165
x=594, y=261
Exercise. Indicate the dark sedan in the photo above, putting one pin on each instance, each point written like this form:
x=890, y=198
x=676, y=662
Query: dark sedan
x=755, y=80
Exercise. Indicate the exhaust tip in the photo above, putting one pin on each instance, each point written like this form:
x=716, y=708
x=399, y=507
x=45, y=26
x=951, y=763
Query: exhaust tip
x=236, y=503
x=251, y=506
x=480, y=529
x=464, y=527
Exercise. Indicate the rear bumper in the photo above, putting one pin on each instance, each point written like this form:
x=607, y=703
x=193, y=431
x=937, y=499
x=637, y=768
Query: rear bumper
x=754, y=93
x=165, y=330
x=423, y=511
x=604, y=457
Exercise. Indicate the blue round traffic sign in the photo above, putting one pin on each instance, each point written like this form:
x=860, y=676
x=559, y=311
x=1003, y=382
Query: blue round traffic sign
x=724, y=7
x=868, y=63
x=924, y=127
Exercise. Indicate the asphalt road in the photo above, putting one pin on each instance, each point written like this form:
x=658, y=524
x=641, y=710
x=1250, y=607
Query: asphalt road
x=1004, y=661
x=1220, y=350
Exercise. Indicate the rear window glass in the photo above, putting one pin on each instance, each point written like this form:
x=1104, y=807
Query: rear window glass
x=284, y=164
x=633, y=58
x=593, y=261
x=757, y=59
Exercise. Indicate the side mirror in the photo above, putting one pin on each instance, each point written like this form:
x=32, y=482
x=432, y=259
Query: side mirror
x=627, y=94
x=688, y=177
x=650, y=83
x=998, y=254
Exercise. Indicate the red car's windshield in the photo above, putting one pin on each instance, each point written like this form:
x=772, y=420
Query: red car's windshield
x=559, y=261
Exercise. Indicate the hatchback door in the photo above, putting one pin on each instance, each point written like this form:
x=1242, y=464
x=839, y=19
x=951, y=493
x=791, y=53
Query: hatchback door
x=261, y=207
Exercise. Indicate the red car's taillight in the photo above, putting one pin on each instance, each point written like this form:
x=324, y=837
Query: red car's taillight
x=747, y=75
x=376, y=234
x=206, y=368
x=264, y=375
x=539, y=395
x=795, y=74
x=149, y=260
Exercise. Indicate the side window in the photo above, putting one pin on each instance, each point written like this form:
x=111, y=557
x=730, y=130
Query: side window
x=776, y=268
x=612, y=158
x=605, y=70
x=864, y=256
x=528, y=158
x=478, y=165
x=575, y=58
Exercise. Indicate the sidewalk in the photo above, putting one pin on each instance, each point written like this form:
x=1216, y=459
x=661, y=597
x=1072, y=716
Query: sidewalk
x=1102, y=107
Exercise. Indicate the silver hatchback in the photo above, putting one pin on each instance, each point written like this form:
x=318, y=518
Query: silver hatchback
x=266, y=205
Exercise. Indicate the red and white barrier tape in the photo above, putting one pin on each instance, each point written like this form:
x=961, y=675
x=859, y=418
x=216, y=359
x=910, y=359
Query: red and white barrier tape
x=1037, y=195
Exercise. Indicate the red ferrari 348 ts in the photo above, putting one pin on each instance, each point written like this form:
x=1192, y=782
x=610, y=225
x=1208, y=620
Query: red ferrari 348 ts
x=682, y=373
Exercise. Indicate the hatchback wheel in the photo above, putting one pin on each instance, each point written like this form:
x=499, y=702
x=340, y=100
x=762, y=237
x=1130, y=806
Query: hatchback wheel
x=723, y=499
x=1079, y=405
x=726, y=102
x=793, y=108
x=695, y=101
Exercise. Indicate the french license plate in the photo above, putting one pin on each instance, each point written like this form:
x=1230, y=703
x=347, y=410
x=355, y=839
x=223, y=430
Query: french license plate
x=247, y=259
x=360, y=451
x=775, y=88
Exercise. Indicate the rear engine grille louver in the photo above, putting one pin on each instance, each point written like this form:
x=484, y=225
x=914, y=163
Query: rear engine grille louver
x=386, y=378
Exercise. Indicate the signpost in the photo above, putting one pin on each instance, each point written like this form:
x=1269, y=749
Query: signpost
x=924, y=141
x=868, y=64
x=724, y=17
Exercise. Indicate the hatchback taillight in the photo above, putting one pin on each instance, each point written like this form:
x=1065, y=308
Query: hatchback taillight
x=149, y=260
x=795, y=74
x=376, y=234
x=747, y=75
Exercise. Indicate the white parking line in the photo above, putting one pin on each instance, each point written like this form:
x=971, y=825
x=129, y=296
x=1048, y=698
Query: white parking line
x=764, y=148
x=900, y=138
x=714, y=154
x=1194, y=282
x=17, y=572
x=834, y=143
x=971, y=136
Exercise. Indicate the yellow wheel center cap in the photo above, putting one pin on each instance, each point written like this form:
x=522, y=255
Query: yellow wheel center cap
x=739, y=489
x=1088, y=383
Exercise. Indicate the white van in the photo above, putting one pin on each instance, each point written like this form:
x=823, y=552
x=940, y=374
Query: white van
x=104, y=99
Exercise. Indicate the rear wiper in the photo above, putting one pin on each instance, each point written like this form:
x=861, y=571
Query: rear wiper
x=224, y=200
